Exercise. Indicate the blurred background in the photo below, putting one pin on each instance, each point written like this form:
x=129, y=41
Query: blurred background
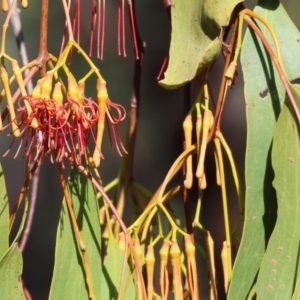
x=159, y=136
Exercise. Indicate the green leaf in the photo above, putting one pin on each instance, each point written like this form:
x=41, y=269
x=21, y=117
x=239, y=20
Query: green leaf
x=296, y=294
x=196, y=38
x=279, y=267
x=4, y=216
x=264, y=95
x=69, y=276
x=112, y=272
x=10, y=271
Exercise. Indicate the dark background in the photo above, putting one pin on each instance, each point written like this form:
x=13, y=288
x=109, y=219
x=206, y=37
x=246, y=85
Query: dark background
x=159, y=137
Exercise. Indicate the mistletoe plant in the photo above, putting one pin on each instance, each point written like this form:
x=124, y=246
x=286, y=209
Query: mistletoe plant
x=105, y=251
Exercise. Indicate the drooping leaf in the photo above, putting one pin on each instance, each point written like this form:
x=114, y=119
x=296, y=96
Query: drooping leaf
x=4, y=216
x=264, y=95
x=196, y=38
x=112, y=283
x=279, y=268
x=69, y=276
x=11, y=266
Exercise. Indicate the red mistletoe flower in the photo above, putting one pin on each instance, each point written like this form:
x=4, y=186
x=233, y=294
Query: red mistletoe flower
x=64, y=127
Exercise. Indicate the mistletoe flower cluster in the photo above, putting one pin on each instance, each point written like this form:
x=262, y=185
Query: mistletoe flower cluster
x=57, y=122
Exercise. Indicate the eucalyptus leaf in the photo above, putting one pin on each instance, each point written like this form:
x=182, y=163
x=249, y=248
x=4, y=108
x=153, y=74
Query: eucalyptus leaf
x=264, y=95
x=296, y=294
x=112, y=281
x=4, y=216
x=196, y=40
x=69, y=276
x=11, y=266
x=279, y=268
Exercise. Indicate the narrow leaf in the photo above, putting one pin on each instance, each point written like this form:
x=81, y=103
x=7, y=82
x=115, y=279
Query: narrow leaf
x=278, y=272
x=10, y=272
x=69, y=276
x=4, y=216
x=296, y=294
x=112, y=282
x=264, y=95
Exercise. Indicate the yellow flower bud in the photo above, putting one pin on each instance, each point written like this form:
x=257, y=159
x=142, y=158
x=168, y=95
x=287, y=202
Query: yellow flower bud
x=188, y=128
x=164, y=273
x=46, y=86
x=176, y=268
x=150, y=260
x=57, y=94
x=11, y=109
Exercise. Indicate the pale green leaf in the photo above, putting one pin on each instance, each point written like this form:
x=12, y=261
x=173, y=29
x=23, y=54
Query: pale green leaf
x=11, y=266
x=112, y=282
x=264, y=95
x=69, y=277
x=296, y=295
x=196, y=38
x=4, y=216
x=279, y=267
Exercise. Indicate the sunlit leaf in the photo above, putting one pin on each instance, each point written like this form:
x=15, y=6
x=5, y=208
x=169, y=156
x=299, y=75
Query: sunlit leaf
x=11, y=266
x=264, y=95
x=196, y=38
x=4, y=216
x=279, y=268
x=69, y=276
x=112, y=282
x=296, y=294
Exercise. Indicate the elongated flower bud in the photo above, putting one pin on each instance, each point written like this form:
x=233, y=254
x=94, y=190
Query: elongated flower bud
x=190, y=252
x=57, y=94
x=19, y=78
x=224, y=258
x=164, y=273
x=218, y=176
x=207, y=123
x=150, y=260
x=46, y=87
x=139, y=254
x=11, y=109
x=211, y=263
x=188, y=128
x=198, y=133
x=102, y=97
x=176, y=268
x=72, y=88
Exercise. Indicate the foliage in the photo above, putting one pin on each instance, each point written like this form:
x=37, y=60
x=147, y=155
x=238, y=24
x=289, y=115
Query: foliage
x=103, y=249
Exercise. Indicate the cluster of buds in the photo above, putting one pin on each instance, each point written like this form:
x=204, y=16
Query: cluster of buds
x=56, y=122
x=203, y=125
x=171, y=275
x=170, y=251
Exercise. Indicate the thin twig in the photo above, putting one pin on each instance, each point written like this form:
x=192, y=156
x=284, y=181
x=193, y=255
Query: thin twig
x=222, y=91
x=18, y=32
x=126, y=170
x=129, y=243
